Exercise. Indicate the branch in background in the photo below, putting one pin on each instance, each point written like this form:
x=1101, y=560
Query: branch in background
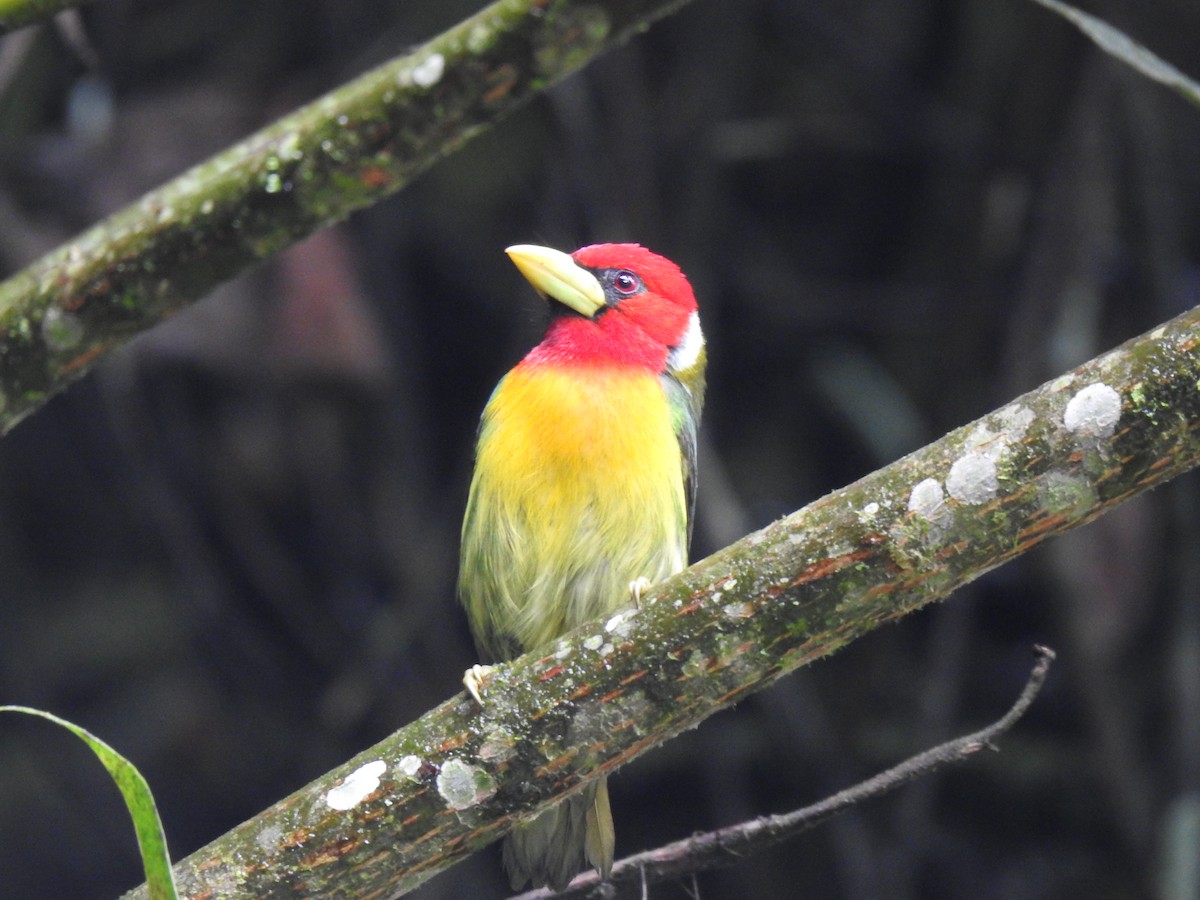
x=728, y=846
x=734, y=623
x=1116, y=43
x=16, y=14
x=312, y=168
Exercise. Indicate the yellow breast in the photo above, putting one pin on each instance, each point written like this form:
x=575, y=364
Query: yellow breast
x=578, y=490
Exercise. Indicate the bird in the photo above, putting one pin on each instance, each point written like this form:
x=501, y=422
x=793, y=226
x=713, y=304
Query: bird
x=583, y=490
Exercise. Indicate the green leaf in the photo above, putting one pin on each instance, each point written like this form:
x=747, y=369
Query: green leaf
x=1115, y=42
x=151, y=840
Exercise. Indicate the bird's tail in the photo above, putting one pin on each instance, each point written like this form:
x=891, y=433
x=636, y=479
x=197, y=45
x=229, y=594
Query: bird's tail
x=551, y=849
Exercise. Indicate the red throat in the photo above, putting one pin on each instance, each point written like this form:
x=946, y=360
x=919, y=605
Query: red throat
x=636, y=333
x=574, y=340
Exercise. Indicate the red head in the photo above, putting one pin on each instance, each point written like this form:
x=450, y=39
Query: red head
x=617, y=304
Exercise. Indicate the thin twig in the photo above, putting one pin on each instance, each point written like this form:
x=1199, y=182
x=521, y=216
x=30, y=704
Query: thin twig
x=728, y=846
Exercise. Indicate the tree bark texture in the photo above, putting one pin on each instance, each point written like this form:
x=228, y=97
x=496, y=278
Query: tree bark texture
x=797, y=590
x=312, y=168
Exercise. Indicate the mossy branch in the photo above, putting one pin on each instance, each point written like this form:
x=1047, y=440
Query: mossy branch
x=16, y=14
x=734, y=623
x=346, y=150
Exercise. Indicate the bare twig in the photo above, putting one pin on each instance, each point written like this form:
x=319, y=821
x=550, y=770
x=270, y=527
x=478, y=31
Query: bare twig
x=728, y=846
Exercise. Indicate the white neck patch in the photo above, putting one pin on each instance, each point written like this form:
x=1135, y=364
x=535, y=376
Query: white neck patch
x=684, y=356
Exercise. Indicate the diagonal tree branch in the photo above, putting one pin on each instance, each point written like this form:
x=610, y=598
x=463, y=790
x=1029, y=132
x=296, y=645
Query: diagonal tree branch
x=797, y=590
x=342, y=152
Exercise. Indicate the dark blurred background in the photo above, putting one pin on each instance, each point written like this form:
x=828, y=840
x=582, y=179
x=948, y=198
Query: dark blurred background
x=230, y=551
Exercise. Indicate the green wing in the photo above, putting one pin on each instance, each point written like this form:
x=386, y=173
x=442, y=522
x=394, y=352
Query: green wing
x=686, y=396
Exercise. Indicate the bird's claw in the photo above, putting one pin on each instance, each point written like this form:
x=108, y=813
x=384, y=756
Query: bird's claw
x=636, y=587
x=475, y=679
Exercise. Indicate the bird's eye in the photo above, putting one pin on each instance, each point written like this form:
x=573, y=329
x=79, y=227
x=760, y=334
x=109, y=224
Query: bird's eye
x=626, y=282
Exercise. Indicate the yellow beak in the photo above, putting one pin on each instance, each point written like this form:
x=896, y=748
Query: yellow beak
x=555, y=275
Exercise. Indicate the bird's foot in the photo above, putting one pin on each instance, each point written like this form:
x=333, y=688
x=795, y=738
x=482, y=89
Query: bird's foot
x=475, y=679
x=636, y=587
